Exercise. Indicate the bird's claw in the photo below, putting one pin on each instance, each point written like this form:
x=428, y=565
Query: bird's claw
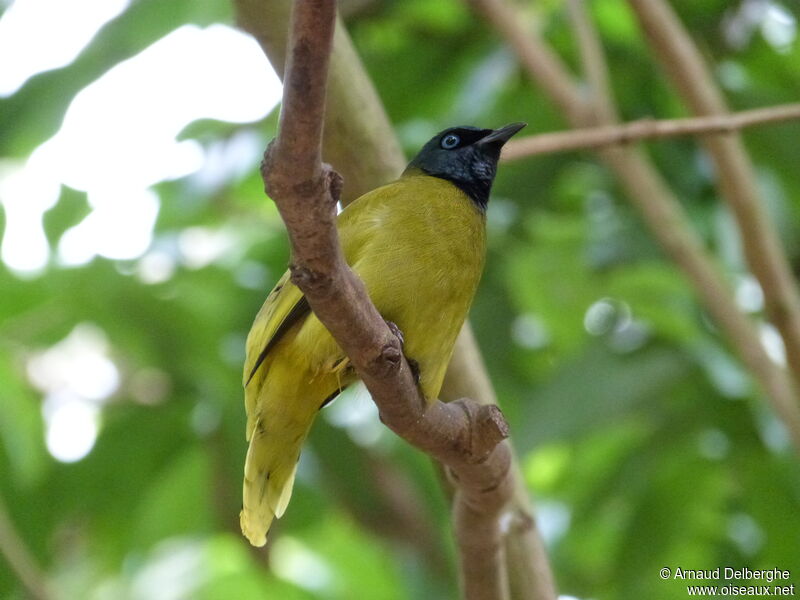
x=396, y=332
x=412, y=364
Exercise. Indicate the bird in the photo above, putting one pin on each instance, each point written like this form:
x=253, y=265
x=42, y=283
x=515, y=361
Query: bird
x=419, y=245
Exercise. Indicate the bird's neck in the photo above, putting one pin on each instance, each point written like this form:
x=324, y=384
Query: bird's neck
x=476, y=188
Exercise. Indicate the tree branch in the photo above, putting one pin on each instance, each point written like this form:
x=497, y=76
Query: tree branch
x=359, y=141
x=590, y=138
x=542, y=64
x=762, y=247
x=529, y=574
x=660, y=209
x=595, y=67
x=465, y=436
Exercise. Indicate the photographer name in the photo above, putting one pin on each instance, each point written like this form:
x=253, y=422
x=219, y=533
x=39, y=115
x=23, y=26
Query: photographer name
x=727, y=573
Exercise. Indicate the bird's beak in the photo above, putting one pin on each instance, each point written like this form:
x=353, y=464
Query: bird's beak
x=498, y=137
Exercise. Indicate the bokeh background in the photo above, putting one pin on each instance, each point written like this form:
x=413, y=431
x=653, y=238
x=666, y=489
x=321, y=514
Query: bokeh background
x=137, y=246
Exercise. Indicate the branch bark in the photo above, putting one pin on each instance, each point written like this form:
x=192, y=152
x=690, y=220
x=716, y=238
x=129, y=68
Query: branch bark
x=464, y=435
x=762, y=247
x=359, y=141
x=659, y=207
x=590, y=138
x=529, y=574
x=593, y=61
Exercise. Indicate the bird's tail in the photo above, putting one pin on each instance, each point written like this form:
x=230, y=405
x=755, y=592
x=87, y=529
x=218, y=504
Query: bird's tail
x=269, y=472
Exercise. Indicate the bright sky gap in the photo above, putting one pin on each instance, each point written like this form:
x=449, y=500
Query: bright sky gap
x=120, y=128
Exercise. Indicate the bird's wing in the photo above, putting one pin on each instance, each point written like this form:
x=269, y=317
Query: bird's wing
x=284, y=306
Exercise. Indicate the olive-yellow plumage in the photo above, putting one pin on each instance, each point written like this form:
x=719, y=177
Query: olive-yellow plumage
x=418, y=244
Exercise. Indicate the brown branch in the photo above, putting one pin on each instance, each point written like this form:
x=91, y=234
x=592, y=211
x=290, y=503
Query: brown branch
x=660, y=209
x=595, y=68
x=20, y=559
x=529, y=574
x=542, y=64
x=640, y=175
x=762, y=247
x=465, y=436
x=359, y=141
x=589, y=138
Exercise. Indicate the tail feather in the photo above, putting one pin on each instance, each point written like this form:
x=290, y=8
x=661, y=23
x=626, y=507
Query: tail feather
x=282, y=405
x=278, y=504
x=269, y=475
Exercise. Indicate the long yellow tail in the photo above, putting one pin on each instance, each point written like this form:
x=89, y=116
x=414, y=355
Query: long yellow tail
x=283, y=399
x=269, y=473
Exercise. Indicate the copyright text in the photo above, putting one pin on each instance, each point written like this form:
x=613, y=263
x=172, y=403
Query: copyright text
x=731, y=582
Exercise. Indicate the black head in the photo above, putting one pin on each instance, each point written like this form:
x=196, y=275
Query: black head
x=467, y=156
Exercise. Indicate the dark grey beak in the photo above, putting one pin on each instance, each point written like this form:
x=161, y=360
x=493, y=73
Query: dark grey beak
x=500, y=136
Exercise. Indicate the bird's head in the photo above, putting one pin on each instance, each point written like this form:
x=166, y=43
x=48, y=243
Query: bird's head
x=466, y=156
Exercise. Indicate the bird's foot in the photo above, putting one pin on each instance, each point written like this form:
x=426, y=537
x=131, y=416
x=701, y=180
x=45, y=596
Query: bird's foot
x=413, y=365
x=396, y=332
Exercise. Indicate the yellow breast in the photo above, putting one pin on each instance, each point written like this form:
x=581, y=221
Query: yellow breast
x=419, y=245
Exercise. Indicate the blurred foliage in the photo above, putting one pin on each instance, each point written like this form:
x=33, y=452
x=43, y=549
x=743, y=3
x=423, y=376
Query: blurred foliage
x=643, y=440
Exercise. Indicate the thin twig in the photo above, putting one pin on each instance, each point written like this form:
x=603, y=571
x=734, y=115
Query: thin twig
x=20, y=559
x=637, y=178
x=589, y=138
x=464, y=435
x=762, y=247
x=595, y=67
x=542, y=64
x=660, y=209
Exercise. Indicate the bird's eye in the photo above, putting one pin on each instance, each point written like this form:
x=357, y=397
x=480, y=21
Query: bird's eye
x=450, y=141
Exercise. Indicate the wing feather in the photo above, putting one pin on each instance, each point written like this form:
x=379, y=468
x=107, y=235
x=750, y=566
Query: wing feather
x=284, y=306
